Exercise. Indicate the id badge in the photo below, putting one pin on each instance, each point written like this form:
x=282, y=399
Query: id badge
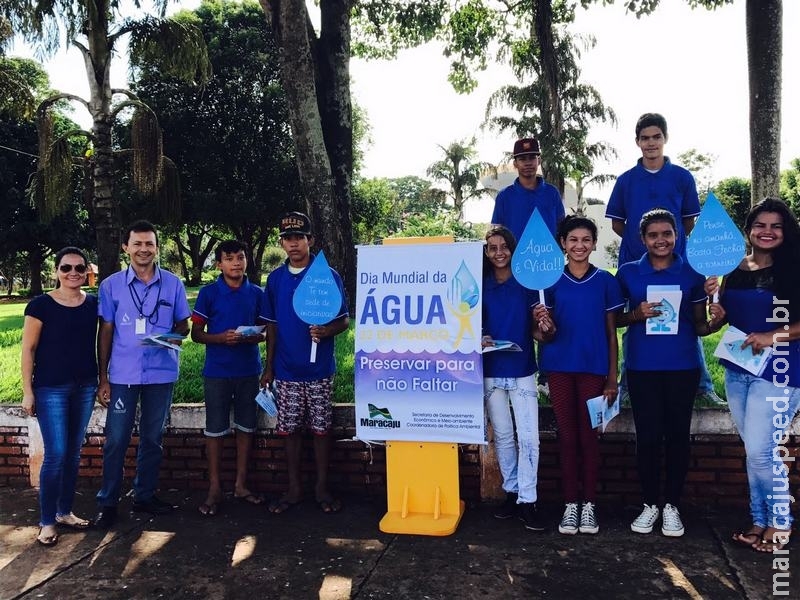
x=140, y=326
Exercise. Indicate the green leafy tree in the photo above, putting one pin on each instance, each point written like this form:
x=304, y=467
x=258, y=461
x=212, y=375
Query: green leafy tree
x=461, y=172
x=95, y=27
x=734, y=194
x=231, y=139
x=700, y=166
x=790, y=185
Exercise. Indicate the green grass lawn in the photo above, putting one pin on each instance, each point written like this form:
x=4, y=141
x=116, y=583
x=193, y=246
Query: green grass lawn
x=189, y=387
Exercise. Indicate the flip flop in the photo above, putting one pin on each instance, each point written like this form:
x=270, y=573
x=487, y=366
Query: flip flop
x=282, y=505
x=749, y=538
x=251, y=498
x=770, y=546
x=330, y=506
x=49, y=540
x=73, y=521
x=208, y=509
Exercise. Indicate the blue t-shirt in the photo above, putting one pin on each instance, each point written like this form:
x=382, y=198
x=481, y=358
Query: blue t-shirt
x=67, y=348
x=507, y=315
x=579, y=309
x=221, y=308
x=638, y=190
x=514, y=206
x=293, y=344
x=747, y=299
x=676, y=352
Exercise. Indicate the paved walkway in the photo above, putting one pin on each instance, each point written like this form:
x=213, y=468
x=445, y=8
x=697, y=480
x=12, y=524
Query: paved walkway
x=247, y=553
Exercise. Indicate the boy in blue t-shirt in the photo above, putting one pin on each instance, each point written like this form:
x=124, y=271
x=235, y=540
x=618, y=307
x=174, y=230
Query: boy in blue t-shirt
x=232, y=366
x=303, y=388
x=655, y=183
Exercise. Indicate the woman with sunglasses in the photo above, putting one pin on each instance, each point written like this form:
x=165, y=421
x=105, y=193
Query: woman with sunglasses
x=59, y=381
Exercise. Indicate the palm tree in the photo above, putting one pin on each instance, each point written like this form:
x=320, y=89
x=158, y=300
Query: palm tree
x=95, y=28
x=458, y=169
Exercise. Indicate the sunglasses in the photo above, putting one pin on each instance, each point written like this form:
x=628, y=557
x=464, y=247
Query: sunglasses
x=67, y=268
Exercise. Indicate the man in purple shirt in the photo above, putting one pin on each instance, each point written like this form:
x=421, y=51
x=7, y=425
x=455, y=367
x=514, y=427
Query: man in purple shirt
x=135, y=304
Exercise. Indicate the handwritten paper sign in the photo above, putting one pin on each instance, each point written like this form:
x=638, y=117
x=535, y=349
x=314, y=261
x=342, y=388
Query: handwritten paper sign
x=716, y=246
x=538, y=261
x=317, y=300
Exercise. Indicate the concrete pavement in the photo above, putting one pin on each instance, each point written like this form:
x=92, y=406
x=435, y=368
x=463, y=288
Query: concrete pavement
x=247, y=553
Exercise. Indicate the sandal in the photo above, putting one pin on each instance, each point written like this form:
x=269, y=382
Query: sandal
x=48, y=540
x=282, y=505
x=208, y=509
x=775, y=542
x=73, y=521
x=750, y=537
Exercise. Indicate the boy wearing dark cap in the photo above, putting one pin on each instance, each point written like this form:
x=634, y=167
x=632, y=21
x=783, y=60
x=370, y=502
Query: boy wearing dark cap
x=303, y=388
x=514, y=205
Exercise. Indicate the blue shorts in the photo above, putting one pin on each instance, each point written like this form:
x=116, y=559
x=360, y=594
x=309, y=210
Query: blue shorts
x=220, y=394
x=304, y=405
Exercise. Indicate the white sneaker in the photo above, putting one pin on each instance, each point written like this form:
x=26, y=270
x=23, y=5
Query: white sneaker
x=569, y=522
x=671, y=524
x=645, y=521
x=588, y=520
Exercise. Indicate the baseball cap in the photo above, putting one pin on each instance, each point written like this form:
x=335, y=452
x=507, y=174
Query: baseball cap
x=526, y=146
x=294, y=222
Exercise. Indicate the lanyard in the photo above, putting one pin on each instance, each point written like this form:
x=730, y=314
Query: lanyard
x=140, y=302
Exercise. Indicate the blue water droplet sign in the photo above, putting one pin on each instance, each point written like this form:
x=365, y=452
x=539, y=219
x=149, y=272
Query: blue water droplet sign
x=716, y=246
x=317, y=299
x=538, y=261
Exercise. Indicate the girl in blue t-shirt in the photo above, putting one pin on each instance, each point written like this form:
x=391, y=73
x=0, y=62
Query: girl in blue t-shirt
x=762, y=299
x=581, y=363
x=666, y=313
x=509, y=377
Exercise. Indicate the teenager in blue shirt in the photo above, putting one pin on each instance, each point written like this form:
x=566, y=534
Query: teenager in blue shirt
x=232, y=367
x=303, y=388
x=762, y=299
x=655, y=183
x=581, y=363
x=509, y=377
x=514, y=205
x=663, y=368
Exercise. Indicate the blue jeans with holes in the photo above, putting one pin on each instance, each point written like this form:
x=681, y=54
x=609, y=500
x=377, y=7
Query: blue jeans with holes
x=761, y=411
x=63, y=412
x=518, y=460
x=156, y=399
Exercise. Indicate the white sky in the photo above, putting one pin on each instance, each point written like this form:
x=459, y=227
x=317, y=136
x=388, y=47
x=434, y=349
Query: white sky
x=689, y=65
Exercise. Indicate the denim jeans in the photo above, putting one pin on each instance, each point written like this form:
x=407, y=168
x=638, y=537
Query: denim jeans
x=519, y=461
x=63, y=412
x=758, y=408
x=155, y=402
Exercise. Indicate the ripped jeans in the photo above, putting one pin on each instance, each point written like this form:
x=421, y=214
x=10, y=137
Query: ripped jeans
x=518, y=459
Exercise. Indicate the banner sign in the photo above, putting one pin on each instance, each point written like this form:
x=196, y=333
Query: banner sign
x=418, y=371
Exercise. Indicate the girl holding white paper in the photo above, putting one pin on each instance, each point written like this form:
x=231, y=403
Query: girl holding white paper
x=509, y=377
x=581, y=363
x=666, y=313
x=762, y=298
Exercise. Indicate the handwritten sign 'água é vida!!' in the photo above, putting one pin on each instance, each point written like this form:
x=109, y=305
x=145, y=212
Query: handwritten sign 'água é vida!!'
x=317, y=299
x=537, y=262
x=716, y=246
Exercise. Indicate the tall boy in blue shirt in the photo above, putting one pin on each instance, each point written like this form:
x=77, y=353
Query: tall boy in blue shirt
x=303, y=388
x=232, y=367
x=655, y=183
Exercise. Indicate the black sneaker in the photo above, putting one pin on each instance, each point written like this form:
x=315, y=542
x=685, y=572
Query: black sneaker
x=153, y=506
x=106, y=517
x=529, y=515
x=508, y=508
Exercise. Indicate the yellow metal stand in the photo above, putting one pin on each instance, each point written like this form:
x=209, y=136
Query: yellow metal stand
x=422, y=477
x=422, y=488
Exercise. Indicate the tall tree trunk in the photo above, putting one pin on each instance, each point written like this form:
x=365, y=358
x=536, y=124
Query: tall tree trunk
x=764, y=54
x=35, y=261
x=97, y=60
x=324, y=162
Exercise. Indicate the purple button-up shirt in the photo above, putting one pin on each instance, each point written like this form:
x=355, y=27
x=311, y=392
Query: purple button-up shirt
x=161, y=302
